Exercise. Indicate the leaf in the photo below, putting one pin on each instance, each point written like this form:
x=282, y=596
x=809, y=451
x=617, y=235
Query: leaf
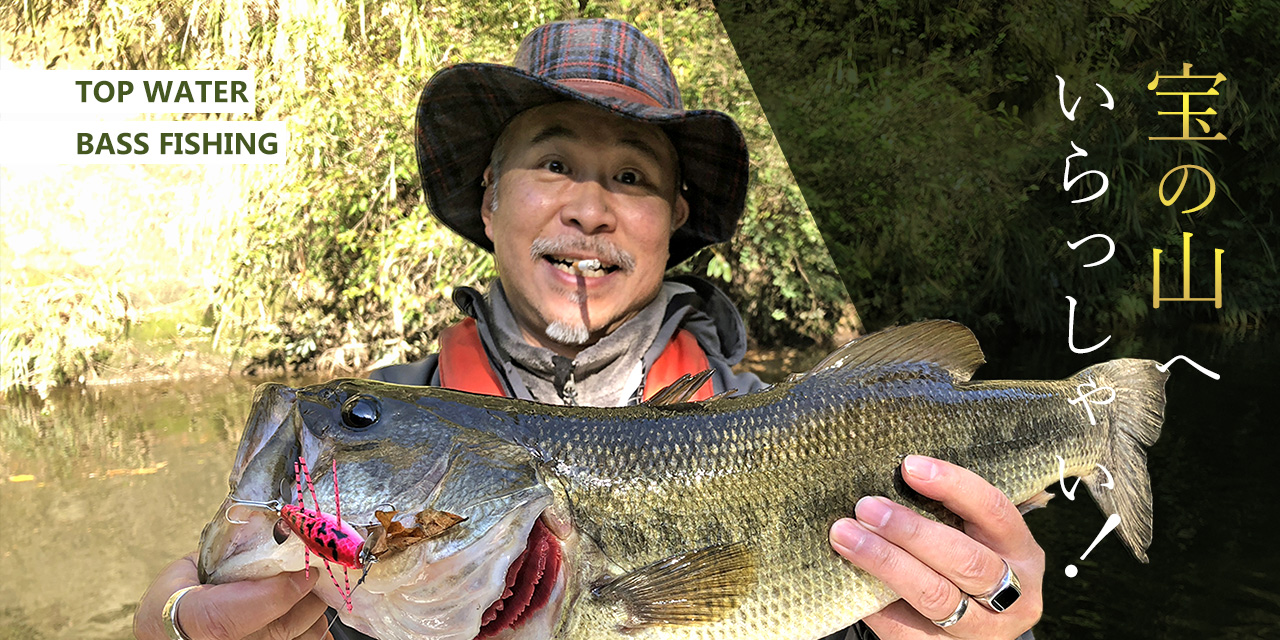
x=434, y=523
x=389, y=536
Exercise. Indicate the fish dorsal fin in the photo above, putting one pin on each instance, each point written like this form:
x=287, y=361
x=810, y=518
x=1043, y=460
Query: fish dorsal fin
x=727, y=393
x=681, y=390
x=691, y=588
x=941, y=343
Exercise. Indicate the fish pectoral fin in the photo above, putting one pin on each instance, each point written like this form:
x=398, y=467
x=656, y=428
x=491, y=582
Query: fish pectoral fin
x=681, y=390
x=691, y=588
x=1035, y=502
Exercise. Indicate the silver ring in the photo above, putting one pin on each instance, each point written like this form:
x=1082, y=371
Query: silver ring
x=1004, y=594
x=170, y=615
x=955, y=615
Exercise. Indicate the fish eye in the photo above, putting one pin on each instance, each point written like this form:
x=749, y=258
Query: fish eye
x=360, y=411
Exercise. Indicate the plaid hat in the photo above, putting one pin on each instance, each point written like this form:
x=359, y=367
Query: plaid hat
x=606, y=63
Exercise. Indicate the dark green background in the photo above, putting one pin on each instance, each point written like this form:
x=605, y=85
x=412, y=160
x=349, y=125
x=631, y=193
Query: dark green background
x=928, y=142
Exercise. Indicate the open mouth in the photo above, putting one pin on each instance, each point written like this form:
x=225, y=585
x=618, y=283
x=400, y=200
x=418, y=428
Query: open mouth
x=590, y=268
x=531, y=579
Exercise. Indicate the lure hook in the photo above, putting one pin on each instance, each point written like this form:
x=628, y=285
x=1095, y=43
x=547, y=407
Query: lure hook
x=273, y=506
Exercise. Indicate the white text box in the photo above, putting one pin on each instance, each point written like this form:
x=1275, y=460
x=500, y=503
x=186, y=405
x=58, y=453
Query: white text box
x=142, y=142
x=35, y=93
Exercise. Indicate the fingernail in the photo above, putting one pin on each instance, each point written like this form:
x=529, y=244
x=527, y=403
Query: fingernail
x=873, y=512
x=846, y=534
x=920, y=467
x=302, y=581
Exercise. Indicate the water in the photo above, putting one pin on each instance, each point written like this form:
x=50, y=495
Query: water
x=124, y=479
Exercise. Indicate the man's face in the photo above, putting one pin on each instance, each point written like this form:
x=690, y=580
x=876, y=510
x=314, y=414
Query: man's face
x=578, y=183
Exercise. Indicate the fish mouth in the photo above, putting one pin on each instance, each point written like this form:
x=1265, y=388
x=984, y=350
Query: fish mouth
x=241, y=552
x=527, y=603
x=533, y=581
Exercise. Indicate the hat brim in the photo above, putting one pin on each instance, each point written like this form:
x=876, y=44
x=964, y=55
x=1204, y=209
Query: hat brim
x=464, y=108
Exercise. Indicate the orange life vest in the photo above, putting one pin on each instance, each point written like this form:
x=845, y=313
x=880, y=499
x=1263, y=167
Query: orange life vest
x=464, y=365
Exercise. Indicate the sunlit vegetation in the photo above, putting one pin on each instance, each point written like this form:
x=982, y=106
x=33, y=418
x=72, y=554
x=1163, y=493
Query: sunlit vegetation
x=333, y=261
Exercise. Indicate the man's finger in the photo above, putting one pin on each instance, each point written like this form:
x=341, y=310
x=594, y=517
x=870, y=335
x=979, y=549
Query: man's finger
x=990, y=517
x=234, y=610
x=299, y=622
x=147, y=623
x=961, y=559
x=318, y=630
x=932, y=595
x=899, y=621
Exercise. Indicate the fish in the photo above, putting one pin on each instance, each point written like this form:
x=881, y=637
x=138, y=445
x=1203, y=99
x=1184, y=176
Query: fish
x=671, y=519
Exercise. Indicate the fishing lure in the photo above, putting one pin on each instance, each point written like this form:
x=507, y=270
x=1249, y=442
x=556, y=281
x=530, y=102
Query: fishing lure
x=328, y=536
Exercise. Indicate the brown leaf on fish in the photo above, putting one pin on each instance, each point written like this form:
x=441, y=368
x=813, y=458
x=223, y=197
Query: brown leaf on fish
x=391, y=536
x=395, y=536
x=433, y=523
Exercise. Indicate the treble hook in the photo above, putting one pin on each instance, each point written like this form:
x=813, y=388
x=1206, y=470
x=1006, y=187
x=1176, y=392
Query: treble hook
x=273, y=506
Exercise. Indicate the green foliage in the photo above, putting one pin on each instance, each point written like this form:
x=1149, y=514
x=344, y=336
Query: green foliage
x=57, y=332
x=929, y=142
x=776, y=268
x=338, y=263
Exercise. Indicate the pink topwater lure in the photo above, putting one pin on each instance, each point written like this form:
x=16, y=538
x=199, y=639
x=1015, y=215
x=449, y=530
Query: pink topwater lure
x=328, y=536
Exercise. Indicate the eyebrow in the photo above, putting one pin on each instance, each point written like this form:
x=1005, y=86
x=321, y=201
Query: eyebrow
x=561, y=131
x=554, y=131
x=642, y=147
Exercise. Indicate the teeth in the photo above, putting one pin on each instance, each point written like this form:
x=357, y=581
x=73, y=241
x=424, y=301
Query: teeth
x=592, y=268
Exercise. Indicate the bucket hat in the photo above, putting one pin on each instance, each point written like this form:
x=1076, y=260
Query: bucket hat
x=606, y=63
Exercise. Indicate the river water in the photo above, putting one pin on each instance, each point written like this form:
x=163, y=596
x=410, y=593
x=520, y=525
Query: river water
x=100, y=488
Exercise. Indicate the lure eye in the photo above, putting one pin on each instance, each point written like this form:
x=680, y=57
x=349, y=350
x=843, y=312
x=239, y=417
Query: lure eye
x=360, y=412
x=280, y=532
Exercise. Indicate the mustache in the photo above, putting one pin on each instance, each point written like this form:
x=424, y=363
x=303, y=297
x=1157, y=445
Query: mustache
x=602, y=249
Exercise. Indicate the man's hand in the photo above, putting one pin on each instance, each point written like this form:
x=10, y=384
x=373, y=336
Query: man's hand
x=929, y=564
x=281, y=607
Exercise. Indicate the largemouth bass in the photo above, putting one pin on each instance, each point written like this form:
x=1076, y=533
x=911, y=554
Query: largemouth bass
x=668, y=520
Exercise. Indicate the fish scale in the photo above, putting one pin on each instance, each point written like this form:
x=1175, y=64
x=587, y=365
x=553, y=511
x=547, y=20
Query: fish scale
x=1008, y=433
x=699, y=521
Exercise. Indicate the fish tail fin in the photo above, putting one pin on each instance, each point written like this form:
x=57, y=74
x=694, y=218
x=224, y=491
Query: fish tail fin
x=1133, y=421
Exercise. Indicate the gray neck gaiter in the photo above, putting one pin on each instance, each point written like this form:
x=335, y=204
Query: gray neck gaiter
x=605, y=374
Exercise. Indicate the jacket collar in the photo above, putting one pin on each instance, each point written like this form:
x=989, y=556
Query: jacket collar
x=703, y=309
x=692, y=303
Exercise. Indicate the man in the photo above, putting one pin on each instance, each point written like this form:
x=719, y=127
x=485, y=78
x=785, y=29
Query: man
x=581, y=171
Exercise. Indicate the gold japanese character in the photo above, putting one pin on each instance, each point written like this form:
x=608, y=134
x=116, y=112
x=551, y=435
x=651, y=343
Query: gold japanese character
x=1186, y=276
x=1186, y=112
x=1186, y=169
